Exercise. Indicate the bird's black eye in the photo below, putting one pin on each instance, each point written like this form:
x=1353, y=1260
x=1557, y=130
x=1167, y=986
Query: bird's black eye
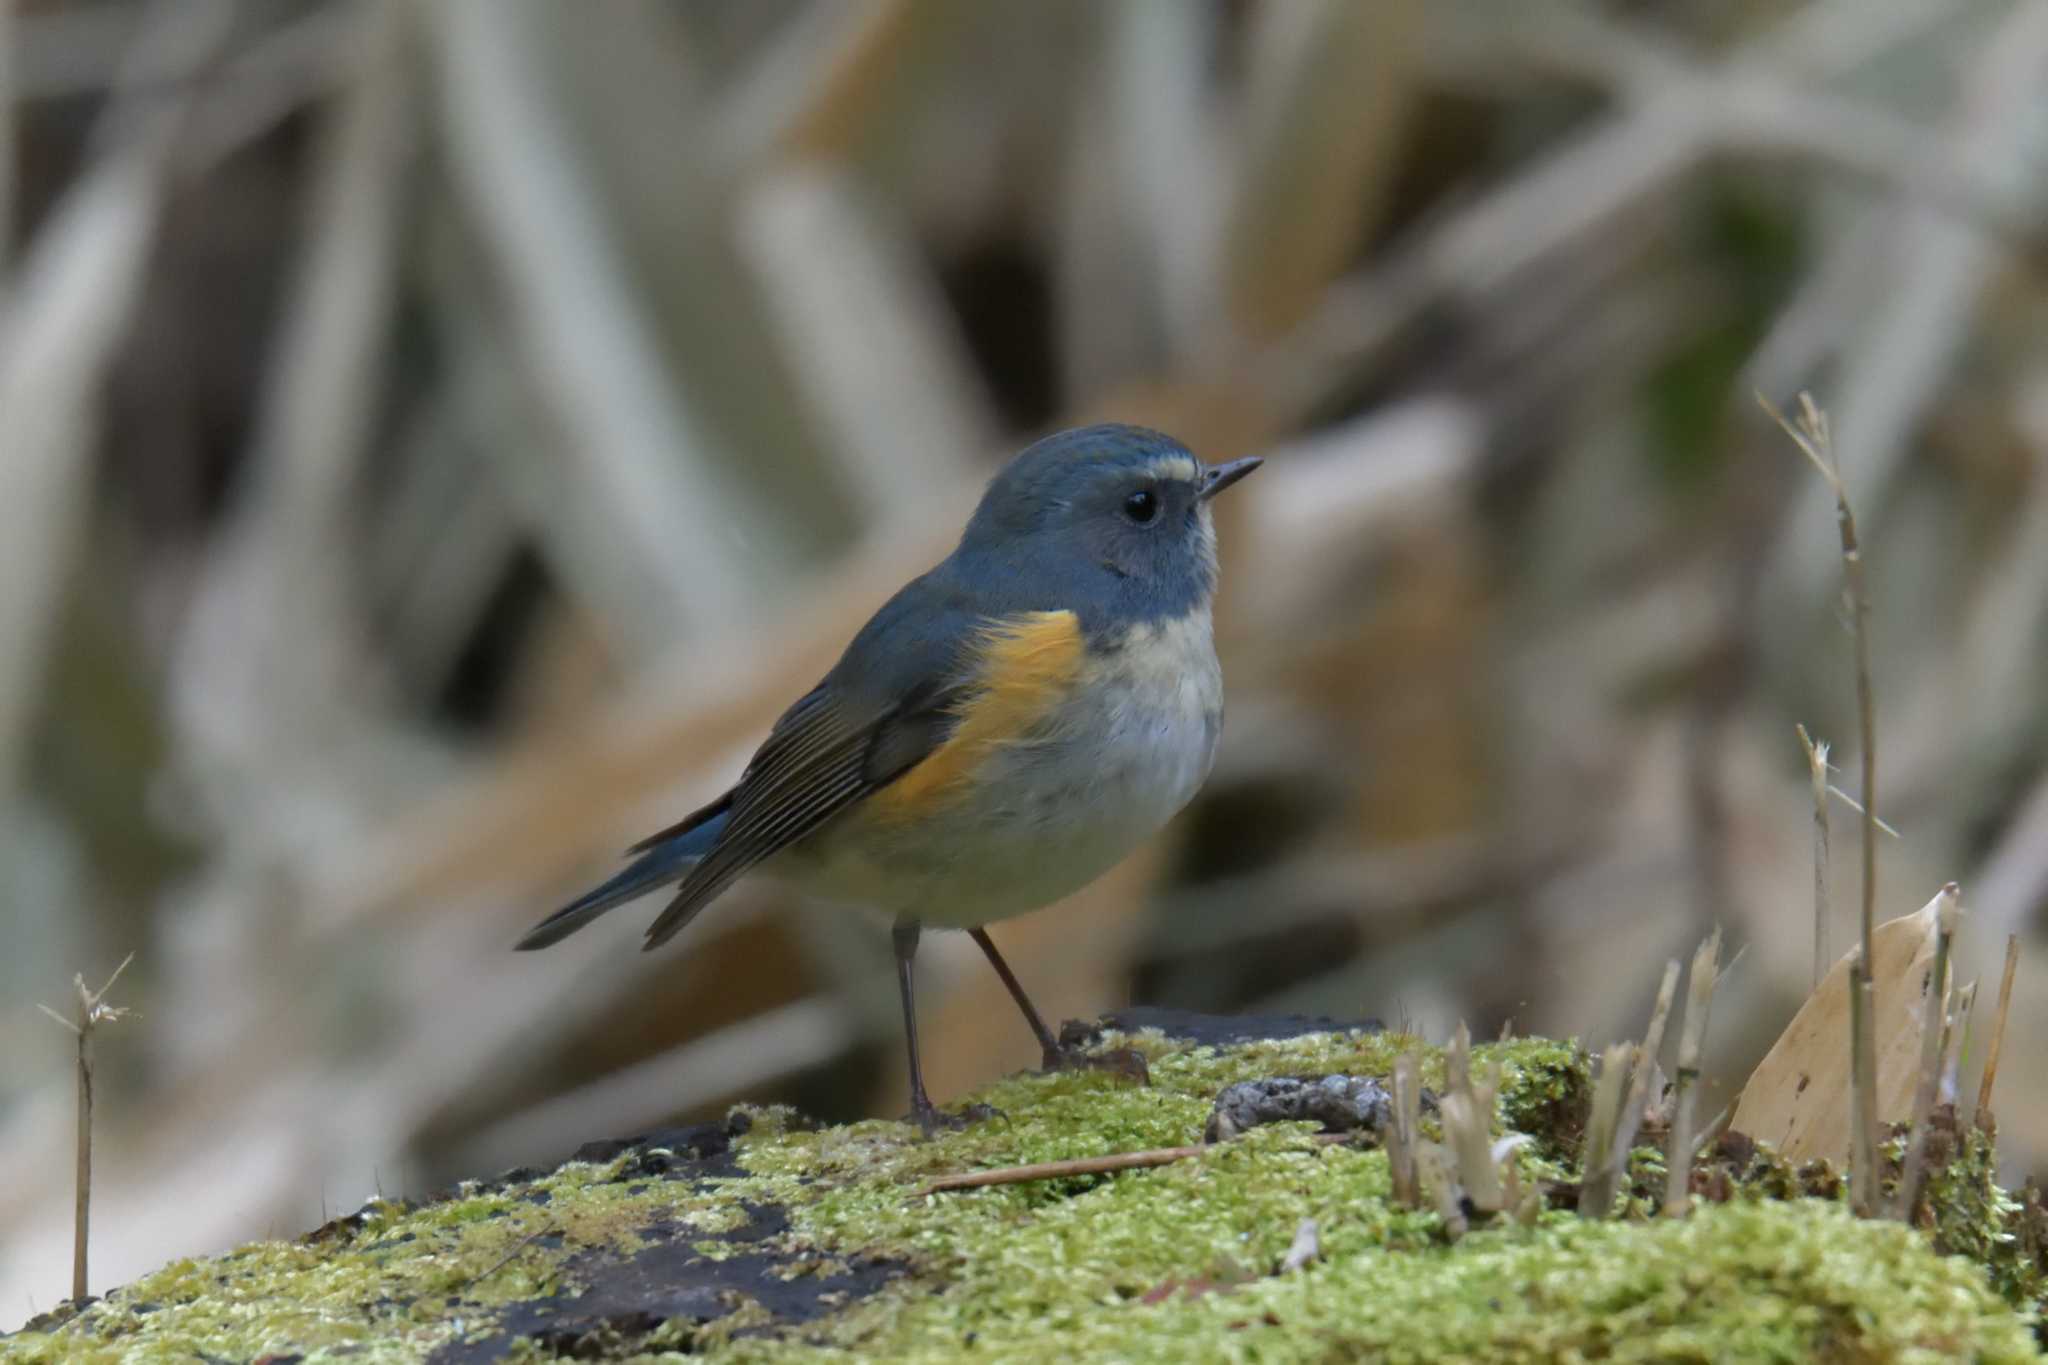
x=1142, y=506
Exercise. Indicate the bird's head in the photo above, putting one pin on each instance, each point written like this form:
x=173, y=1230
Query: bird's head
x=1118, y=499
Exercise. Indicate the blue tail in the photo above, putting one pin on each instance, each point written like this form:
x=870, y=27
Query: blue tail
x=668, y=856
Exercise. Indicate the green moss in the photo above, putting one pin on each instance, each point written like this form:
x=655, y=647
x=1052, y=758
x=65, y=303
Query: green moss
x=1179, y=1262
x=1976, y=1219
x=404, y=1282
x=1787, y=1281
x=1546, y=1091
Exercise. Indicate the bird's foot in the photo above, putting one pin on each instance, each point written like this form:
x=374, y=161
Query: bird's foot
x=1126, y=1062
x=934, y=1120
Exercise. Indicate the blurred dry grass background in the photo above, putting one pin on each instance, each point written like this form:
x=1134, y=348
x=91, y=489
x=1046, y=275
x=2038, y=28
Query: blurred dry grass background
x=439, y=435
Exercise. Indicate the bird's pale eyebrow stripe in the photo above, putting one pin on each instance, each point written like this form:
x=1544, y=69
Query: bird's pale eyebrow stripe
x=1175, y=467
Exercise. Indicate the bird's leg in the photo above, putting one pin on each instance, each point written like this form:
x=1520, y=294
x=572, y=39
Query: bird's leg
x=1124, y=1061
x=903, y=938
x=1046, y=1041
x=923, y=1112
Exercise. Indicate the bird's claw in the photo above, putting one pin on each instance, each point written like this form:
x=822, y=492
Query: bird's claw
x=934, y=1120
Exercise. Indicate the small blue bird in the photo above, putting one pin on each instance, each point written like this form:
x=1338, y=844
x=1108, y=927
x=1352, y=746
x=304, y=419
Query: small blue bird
x=1003, y=731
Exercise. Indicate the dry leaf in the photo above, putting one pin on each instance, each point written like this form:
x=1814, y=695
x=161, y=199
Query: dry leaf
x=1798, y=1098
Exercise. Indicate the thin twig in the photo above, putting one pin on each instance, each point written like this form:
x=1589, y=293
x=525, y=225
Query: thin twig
x=1699, y=1006
x=1932, y=1027
x=1810, y=434
x=1711, y=1134
x=512, y=1255
x=2012, y=964
x=1884, y=827
x=1085, y=1165
x=1817, y=766
x=92, y=1012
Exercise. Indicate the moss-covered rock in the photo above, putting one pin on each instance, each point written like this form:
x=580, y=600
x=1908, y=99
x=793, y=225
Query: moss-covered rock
x=765, y=1240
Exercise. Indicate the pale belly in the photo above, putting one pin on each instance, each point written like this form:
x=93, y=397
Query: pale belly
x=1050, y=813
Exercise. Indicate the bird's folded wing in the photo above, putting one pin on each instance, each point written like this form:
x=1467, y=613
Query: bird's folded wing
x=825, y=753
x=940, y=693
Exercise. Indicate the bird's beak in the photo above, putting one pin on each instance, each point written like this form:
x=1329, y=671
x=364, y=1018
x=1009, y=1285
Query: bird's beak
x=1219, y=477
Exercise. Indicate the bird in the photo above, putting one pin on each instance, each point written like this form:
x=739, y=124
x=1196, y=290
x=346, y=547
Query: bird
x=1005, y=729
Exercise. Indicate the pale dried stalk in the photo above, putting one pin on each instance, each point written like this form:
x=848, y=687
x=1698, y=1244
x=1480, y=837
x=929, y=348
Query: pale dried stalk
x=1931, y=1048
x=69, y=305
x=1523, y=1202
x=9, y=139
x=638, y=447
x=1711, y=1134
x=1699, y=1005
x=1108, y=1164
x=1053, y=1170
x=92, y=1012
x=1433, y=1163
x=1602, y=1184
x=1964, y=1004
x=1597, y=1184
x=1639, y=1090
x=858, y=312
x=1810, y=434
x=2012, y=963
x=1401, y=1136
x=1884, y=827
x=1817, y=765
x=1467, y=1116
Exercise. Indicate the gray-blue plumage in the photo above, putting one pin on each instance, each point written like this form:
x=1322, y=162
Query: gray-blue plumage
x=666, y=860
x=1055, y=532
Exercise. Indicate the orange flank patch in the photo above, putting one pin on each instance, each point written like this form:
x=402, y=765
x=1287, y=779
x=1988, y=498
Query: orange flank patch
x=1028, y=663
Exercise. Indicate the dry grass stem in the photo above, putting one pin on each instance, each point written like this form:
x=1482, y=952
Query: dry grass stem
x=1817, y=765
x=1402, y=1136
x=1642, y=1090
x=1884, y=827
x=585, y=333
x=1699, y=1005
x=1085, y=1165
x=1602, y=1184
x=1440, y=1182
x=1991, y=1051
x=1598, y=1181
x=1810, y=433
x=93, y=1010
x=1711, y=1134
x=1963, y=1004
x=1053, y=1170
x=9, y=138
x=524, y=1244
x=1863, y=1187
x=1931, y=1049
x=1467, y=1115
